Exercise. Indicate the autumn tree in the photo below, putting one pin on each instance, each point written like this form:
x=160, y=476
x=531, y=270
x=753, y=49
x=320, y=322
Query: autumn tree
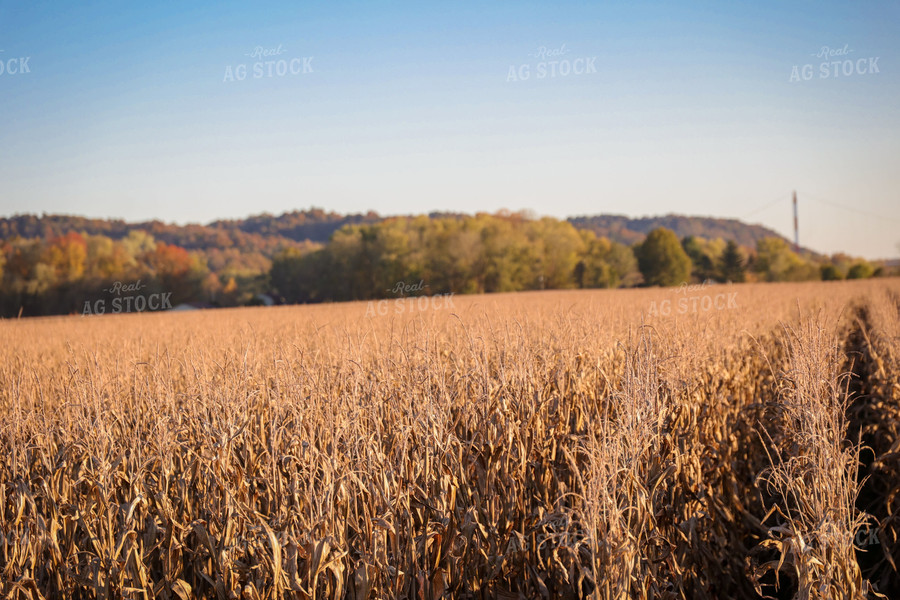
x=505, y=254
x=557, y=247
x=775, y=261
x=66, y=256
x=108, y=259
x=211, y=287
x=604, y=264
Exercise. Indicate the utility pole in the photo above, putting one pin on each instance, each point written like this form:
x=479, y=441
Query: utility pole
x=796, y=229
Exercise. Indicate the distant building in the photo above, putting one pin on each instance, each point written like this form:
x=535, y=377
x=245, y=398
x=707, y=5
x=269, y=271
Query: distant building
x=266, y=299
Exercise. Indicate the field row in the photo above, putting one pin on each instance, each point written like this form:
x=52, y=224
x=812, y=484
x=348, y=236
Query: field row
x=543, y=444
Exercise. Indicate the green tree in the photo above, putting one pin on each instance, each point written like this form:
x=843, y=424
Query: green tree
x=454, y=251
x=703, y=259
x=297, y=276
x=394, y=262
x=624, y=264
x=45, y=277
x=731, y=264
x=662, y=260
x=860, y=270
x=829, y=272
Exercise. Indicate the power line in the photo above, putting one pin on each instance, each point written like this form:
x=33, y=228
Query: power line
x=762, y=208
x=803, y=194
x=849, y=209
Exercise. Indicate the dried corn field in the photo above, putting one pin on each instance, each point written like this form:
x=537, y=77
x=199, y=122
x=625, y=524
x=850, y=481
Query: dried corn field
x=534, y=445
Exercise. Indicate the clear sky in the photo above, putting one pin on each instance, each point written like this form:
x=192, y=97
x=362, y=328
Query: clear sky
x=137, y=112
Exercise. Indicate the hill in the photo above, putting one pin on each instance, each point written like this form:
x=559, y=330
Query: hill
x=266, y=233
x=626, y=230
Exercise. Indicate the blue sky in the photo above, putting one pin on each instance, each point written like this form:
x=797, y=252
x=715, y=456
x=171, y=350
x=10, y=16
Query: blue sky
x=126, y=112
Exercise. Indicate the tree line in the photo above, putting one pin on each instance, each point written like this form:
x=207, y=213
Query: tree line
x=58, y=273
x=510, y=252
